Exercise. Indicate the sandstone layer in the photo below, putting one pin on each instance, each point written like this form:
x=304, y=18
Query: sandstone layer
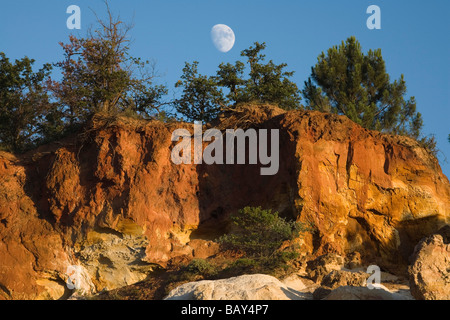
x=111, y=201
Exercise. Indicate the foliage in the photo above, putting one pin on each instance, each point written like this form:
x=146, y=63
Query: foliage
x=347, y=81
x=232, y=77
x=25, y=110
x=202, y=267
x=430, y=144
x=203, y=97
x=99, y=75
x=267, y=83
x=243, y=266
x=197, y=268
x=259, y=233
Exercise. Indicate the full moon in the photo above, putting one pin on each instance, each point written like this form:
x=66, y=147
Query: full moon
x=222, y=37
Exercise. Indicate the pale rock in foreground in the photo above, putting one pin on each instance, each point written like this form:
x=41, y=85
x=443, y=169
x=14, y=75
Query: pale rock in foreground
x=364, y=293
x=245, y=287
x=430, y=270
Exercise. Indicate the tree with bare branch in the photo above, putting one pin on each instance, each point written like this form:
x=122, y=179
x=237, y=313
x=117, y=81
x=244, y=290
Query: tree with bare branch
x=100, y=76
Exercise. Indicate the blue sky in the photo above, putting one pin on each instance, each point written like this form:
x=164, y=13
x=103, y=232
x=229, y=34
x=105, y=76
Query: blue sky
x=414, y=38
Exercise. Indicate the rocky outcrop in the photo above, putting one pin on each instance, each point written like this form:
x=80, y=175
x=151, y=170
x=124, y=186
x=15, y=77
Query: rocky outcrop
x=343, y=278
x=323, y=265
x=332, y=271
x=246, y=287
x=294, y=287
x=364, y=293
x=430, y=269
x=112, y=201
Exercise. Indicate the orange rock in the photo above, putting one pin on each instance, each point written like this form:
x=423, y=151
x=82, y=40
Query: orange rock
x=62, y=204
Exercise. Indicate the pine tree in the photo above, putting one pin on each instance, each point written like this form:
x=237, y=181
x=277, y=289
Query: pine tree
x=347, y=81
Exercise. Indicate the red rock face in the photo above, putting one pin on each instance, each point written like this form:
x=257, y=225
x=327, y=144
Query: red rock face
x=365, y=191
x=114, y=203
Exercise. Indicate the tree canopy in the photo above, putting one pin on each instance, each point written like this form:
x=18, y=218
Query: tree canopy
x=201, y=98
x=204, y=96
x=347, y=81
x=266, y=82
x=99, y=74
x=25, y=109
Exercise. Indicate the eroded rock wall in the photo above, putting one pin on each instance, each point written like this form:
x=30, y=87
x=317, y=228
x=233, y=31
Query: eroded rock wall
x=113, y=202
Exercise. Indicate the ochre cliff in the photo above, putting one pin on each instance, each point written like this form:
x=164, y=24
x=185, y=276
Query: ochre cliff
x=112, y=202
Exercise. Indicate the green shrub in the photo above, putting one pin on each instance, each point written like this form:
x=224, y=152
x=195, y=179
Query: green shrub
x=196, y=269
x=201, y=267
x=244, y=263
x=259, y=233
x=241, y=266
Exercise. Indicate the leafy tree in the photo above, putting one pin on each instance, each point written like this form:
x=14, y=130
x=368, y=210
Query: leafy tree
x=259, y=233
x=232, y=77
x=347, y=81
x=25, y=110
x=99, y=75
x=268, y=83
x=201, y=98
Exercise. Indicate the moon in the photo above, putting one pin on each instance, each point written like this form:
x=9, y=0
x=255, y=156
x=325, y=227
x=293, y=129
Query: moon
x=223, y=37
